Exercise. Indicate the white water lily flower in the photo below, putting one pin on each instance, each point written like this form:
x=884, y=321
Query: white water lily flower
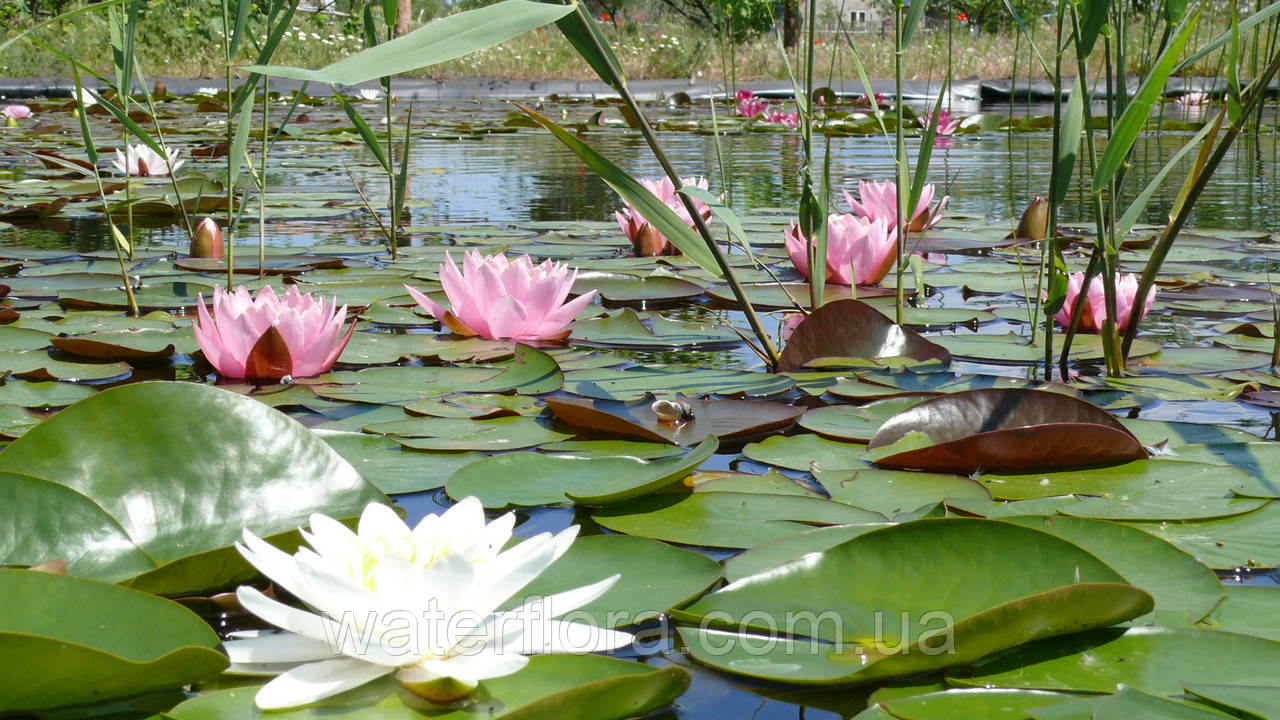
x=209, y=91
x=421, y=603
x=87, y=98
x=370, y=93
x=145, y=162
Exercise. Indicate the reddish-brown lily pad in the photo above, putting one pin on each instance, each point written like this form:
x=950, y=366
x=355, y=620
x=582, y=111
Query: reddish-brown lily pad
x=853, y=329
x=1005, y=430
x=728, y=420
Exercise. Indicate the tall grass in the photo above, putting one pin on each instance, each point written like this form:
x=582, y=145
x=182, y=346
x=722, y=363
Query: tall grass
x=648, y=51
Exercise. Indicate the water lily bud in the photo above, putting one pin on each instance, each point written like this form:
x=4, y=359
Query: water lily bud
x=430, y=686
x=1034, y=224
x=11, y=122
x=161, y=90
x=207, y=242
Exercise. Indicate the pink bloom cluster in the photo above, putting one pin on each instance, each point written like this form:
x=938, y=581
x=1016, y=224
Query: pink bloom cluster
x=859, y=250
x=749, y=107
x=645, y=239
x=268, y=337
x=946, y=125
x=880, y=200
x=1094, y=310
x=17, y=112
x=500, y=299
x=778, y=117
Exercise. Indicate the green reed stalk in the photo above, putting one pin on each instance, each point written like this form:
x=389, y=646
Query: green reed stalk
x=262, y=179
x=227, y=31
x=1255, y=94
x=900, y=160
x=118, y=241
x=616, y=80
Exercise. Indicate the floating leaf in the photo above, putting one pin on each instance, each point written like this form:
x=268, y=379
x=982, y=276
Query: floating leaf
x=853, y=329
x=726, y=419
x=161, y=510
x=560, y=686
x=1005, y=430
x=527, y=479
x=69, y=641
x=995, y=590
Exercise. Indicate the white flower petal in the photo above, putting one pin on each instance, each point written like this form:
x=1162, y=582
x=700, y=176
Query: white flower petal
x=259, y=647
x=316, y=681
x=476, y=667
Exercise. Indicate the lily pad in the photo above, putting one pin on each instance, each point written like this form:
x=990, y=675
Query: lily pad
x=726, y=419
x=1004, y=430
x=655, y=577
x=527, y=479
x=974, y=609
x=162, y=509
x=727, y=519
x=69, y=641
x=501, y=433
x=560, y=686
x=1156, y=660
x=853, y=329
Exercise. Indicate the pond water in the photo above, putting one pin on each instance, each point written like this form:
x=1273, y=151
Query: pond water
x=476, y=180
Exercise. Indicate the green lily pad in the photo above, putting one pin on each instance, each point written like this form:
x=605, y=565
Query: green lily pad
x=807, y=452
x=627, y=329
x=775, y=552
x=1031, y=586
x=162, y=509
x=69, y=641
x=1140, y=490
x=41, y=395
x=527, y=479
x=893, y=492
x=37, y=365
x=633, y=383
x=1249, y=700
x=393, y=469
x=655, y=577
x=727, y=519
x=1156, y=660
x=995, y=704
x=1250, y=539
x=1249, y=610
x=500, y=433
x=560, y=686
x=621, y=287
x=1185, y=591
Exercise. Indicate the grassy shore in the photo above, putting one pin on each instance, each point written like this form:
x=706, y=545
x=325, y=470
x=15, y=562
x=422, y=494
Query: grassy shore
x=192, y=48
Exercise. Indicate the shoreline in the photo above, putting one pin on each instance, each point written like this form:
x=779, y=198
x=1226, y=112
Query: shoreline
x=676, y=89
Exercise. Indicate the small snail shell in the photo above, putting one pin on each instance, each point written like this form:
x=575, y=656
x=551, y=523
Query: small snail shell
x=672, y=411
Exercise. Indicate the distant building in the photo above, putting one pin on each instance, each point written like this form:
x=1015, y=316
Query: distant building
x=858, y=16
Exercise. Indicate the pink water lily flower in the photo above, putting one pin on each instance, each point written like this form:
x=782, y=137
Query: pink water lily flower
x=142, y=161
x=946, y=125
x=748, y=106
x=500, y=299
x=880, y=200
x=1094, y=310
x=17, y=112
x=778, y=117
x=269, y=337
x=1194, y=98
x=859, y=251
x=645, y=239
